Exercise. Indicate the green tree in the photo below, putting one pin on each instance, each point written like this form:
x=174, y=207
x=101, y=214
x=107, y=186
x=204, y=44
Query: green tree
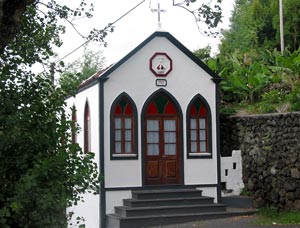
x=203, y=53
x=41, y=171
x=255, y=73
x=251, y=27
x=84, y=67
x=255, y=24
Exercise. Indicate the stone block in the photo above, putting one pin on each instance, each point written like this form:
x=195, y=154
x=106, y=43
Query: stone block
x=295, y=173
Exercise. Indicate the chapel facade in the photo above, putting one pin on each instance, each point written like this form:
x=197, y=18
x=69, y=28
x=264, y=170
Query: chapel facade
x=152, y=121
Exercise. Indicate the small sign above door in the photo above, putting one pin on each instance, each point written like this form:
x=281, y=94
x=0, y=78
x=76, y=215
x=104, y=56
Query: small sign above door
x=161, y=82
x=160, y=64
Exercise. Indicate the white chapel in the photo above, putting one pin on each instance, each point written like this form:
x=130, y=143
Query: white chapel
x=152, y=120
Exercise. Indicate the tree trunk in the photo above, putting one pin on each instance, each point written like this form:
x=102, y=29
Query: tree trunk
x=10, y=15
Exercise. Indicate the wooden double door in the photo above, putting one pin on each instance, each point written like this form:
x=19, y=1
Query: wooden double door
x=162, y=155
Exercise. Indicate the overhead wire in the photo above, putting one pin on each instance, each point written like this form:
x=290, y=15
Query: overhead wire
x=108, y=26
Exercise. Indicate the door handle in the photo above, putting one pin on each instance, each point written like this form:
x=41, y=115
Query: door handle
x=164, y=156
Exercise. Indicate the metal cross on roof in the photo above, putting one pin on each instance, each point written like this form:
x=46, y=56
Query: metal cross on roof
x=158, y=10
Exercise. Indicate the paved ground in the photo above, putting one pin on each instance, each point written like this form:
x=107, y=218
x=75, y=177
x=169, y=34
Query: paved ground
x=233, y=222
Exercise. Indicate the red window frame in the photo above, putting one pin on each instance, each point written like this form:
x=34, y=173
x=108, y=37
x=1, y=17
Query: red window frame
x=74, y=120
x=198, y=111
x=122, y=111
x=87, y=128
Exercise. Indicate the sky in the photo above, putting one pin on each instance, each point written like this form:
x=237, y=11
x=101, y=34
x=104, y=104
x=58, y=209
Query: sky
x=135, y=27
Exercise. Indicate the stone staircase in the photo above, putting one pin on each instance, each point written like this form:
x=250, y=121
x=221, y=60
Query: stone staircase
x=167, y=206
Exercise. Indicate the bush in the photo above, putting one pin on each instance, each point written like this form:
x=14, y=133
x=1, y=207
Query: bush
x=294, y=98
x=270, y=100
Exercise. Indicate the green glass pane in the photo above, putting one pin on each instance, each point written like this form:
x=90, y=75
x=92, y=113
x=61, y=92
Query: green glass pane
x=123, y=104
x=197, y=104
x=161, y=102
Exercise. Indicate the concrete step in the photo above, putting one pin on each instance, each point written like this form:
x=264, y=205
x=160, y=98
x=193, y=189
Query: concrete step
x=168, y=201
x=166, y=193
x=116, y=220
x=167, y=210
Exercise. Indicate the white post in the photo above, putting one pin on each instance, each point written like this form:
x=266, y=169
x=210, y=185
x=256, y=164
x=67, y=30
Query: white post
x=281, y=27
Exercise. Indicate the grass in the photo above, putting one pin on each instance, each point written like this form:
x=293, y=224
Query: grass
x=245, y=192
x=270, y=216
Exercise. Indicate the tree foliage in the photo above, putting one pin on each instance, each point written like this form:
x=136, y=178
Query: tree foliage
x=258, y=78
x=260, y=82
x=251, y=26
x=208, y=14
x=203, y=53
x=41, y=172
x=83, y=67
x=291, y=24
x=255, y=24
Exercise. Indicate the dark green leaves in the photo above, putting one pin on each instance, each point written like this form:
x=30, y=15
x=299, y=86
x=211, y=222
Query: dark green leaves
x=41, y=171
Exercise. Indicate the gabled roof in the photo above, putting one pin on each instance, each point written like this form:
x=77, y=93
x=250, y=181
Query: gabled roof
x=103, y=75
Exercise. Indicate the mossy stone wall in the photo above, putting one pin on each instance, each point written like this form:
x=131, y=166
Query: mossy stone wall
x=270, y=146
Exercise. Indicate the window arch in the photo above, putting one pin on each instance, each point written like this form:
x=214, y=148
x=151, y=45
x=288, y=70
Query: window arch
x=161, y=105
x=87, y=128
x=123, y=128
x=199, y=128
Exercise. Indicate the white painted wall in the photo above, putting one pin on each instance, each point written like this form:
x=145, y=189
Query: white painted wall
x=90, y=208
x=115, y=198
x=234, y=178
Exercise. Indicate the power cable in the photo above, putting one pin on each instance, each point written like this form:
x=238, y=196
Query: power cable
x=108, y=26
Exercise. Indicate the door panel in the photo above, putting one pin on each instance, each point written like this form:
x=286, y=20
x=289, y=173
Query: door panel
x=153, y=169
x=170, y=166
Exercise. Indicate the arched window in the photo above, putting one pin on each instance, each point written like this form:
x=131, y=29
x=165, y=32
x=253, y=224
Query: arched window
x=123, y=126
x=87, y=128
x=74, y=126
x=199, y=128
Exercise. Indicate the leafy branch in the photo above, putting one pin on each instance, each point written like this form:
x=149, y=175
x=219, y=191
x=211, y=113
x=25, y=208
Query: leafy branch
x=205, y=14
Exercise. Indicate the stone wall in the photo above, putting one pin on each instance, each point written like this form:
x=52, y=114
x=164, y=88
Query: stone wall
x=270, y=146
